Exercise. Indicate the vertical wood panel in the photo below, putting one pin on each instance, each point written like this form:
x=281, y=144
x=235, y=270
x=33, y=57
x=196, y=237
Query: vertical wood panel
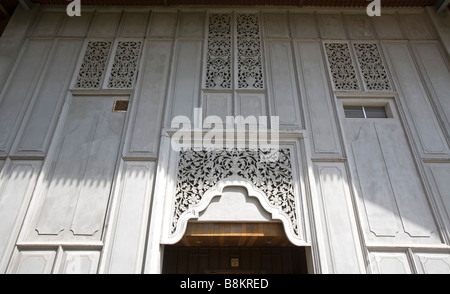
x=32, y=262
x=76, y=26
x=162, y=24
x=79, y=183
x=78, y=262
x=147, y=110
x=435, y=66
x=414, y=98
x=331, y=26
x=387, y=27
x=186, y=79
x=133, y=25
x=439, y=174
x=21, y=85
x=390, y=263
x=389, y=183
x=303, y=26
x=37, y=133
x=344, y=252
x=130, y=224
x=17, y=183
x=47, y=24
x=317, y=100
x=276, y=25
x=284, y=92
x=436, y=263
x=104, y=25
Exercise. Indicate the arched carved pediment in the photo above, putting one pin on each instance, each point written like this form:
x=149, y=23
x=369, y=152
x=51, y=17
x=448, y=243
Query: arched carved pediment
x=203, y=174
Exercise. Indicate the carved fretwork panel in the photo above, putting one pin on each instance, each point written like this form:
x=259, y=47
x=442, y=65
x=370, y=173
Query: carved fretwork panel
x=249, y=55
x=201, y=171
x=341, y=67
x=372, y=67
x=92, y=69
x=218, y=63
x=125, y=65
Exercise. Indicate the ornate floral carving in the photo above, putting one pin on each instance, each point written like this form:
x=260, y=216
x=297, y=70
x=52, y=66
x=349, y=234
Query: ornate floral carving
x=218, y=63
x=199, y=171
x=250, y=69
x=372, y=67
x=125, y=65
x=341, y=66
x=93, y=66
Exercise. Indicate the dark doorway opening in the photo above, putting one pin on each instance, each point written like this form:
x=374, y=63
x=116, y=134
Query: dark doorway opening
x=234, y=260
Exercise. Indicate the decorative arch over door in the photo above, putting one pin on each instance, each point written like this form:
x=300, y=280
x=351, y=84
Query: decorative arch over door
x=204, y=174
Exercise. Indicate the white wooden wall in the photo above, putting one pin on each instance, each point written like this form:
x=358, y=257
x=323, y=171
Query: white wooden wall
x=82, y=188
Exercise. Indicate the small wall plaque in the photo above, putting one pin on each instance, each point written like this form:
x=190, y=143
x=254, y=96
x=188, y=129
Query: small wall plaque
x=120, y=105
x=235, y=262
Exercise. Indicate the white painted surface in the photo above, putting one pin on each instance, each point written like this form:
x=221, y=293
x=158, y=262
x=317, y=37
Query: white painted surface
x=374, y=190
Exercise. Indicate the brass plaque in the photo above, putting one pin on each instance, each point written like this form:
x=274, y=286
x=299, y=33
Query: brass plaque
x=120, y=105
x=235, y=262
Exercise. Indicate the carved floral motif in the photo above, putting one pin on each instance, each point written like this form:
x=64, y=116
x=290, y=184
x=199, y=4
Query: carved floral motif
x=218, y=63
x=341, y=67
x=125, y=66
x=250, y=69
x=372, y=67
x=94, y=64
x=199, y=171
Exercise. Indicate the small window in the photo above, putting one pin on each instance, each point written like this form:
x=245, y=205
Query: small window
x=365, y=112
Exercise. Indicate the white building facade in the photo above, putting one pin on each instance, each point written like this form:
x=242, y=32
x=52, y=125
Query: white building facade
x=90, y=106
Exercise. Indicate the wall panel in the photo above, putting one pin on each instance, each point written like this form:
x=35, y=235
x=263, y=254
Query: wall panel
x=387, y=27
x=128, y=235
x=385, y=262
x=47, y=24
x=185, y=82
x=82, y=262
x=76, y=26
x=303, y=26
x=20, y=87
x=143, y=133
x=12, y=39
x=341, y=234
x=317, y=99
x=17, y=183
x=38, y=130
x=104, y=24
x=432, y=263
x=439, y=175
x=435, y=67
x=133, y=24
x=359, y=27
x=218, y=104
x=331, y=26
x=388, y=183
x=283, y=84
x=414, y=98
x=251, y=105
x=162, y=24
x=416, y=26
x=276, y=25
x=78, y=181
x=32, y=262
x=191, y=24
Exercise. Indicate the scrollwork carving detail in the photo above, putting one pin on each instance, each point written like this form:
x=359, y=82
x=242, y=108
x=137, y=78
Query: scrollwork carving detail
x=200, y=171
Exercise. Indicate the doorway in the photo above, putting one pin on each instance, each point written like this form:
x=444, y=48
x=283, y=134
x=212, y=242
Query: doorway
x=234, y=248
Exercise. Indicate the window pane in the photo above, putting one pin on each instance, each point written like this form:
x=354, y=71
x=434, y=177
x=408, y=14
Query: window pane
x=375, y=112
x=354, y=112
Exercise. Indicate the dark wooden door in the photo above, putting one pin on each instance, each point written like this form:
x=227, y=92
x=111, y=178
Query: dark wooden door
x=234, y=260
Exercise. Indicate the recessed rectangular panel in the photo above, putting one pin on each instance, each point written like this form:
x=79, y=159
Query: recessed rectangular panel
x=79, y=182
